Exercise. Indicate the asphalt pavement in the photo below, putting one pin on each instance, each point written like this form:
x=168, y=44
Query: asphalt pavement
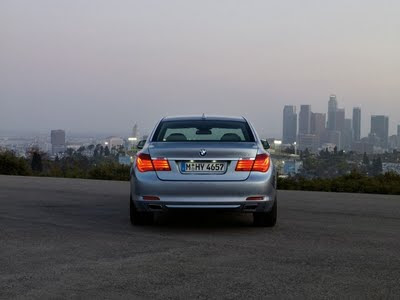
x=71, y=238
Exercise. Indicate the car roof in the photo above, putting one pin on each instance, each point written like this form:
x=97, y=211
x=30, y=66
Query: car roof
x=203, y=117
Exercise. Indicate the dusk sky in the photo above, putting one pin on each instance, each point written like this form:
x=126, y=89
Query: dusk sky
x=100, y=66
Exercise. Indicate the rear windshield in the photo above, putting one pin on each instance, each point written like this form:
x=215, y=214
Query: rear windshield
x=203, y=131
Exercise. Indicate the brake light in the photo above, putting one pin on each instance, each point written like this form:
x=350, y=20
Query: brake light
x=144, y=163
x=161, y=164
x=261, y=163
x=244, y=165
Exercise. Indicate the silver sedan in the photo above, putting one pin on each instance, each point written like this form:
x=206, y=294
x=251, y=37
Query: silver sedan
x=203, y=162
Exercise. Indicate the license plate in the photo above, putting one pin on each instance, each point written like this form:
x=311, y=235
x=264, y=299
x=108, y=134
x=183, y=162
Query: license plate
x=203, y=167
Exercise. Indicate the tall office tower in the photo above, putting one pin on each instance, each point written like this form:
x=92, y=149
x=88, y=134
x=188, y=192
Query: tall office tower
x=380, y=128
x=347, y=134
x=135, y=131
x=348, y=124
x=340, y=117
x=289, y=124
x=398, y=136
x=305, y=119
x=356, y=123
x=332, y=108
x=57, y=141
x=318, y=123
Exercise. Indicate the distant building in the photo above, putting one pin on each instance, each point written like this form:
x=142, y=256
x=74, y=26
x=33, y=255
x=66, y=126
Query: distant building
x=340, y=117
x=391, y=167
x=393, y=142
x=356, y=124
x=305, y=119
x=380, y=128
x=318, y=123
x=347, y=134
x=289, y=124
x=309, y=141
x=398, y=136
x=332, y=137
x=292, y=167
x=328, y=147
x=135, y=131
x=134, y=138
x=57, y=141
x=363, y=146
x=332, y=108
x=113, y=142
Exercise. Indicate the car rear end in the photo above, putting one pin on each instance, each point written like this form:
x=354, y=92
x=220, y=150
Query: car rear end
x=203, y=163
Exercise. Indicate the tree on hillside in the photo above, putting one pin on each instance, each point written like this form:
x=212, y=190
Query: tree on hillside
x=365, y=159
x=70, y=151
x=10, y=164
x=106, y=151
x=96, y=152
x=36, y=163
x=81, y=149
x=376, y=168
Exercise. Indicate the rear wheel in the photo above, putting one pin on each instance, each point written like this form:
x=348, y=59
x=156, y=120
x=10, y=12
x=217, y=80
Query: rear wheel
x=139, y=217
x=266, y=219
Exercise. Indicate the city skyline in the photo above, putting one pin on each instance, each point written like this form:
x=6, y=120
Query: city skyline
x=317, y=130
x=94, y=66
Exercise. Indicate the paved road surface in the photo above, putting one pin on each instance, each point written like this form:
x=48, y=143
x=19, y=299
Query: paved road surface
x=71, y=238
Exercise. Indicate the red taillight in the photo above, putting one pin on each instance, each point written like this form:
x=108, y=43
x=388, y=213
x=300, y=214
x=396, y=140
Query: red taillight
x=244, y=165
x=144, y=163
x=161, y=164
x=261, y=163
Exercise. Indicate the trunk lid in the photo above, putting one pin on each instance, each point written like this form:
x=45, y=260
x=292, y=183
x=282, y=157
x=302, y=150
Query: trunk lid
x=180, y=152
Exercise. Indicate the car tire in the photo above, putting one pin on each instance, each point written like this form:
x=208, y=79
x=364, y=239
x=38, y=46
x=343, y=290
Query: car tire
x=138, y=217
x=266, y=219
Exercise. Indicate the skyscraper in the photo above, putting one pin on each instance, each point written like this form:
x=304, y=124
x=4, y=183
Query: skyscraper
x=289, y=124
x=135, y=131
x=340, y=117
x=398, y=136
x=356, y=124
x=332, y=108
x=347, y=134
x=380, y=128
x=318, y=123
x=57, y=141
x=305, y=119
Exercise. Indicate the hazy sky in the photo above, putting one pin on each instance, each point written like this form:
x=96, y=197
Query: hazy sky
x=100, y=66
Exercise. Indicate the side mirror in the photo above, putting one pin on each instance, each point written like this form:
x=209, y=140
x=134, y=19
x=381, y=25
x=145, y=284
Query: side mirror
x=141, y=143
x=265, y=144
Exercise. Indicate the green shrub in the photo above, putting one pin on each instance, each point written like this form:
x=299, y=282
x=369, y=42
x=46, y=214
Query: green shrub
x=352, y=183
x=110, y=171
x=10, y=164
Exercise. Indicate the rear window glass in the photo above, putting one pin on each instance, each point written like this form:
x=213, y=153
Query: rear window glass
x=203, y=131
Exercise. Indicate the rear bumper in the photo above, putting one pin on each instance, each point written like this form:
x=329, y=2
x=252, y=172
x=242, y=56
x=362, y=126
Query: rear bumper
x=243, y=206
x=214, y=195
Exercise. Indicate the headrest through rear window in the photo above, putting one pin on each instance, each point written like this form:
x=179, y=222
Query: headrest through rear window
x=231, y=137
x=176, y=137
